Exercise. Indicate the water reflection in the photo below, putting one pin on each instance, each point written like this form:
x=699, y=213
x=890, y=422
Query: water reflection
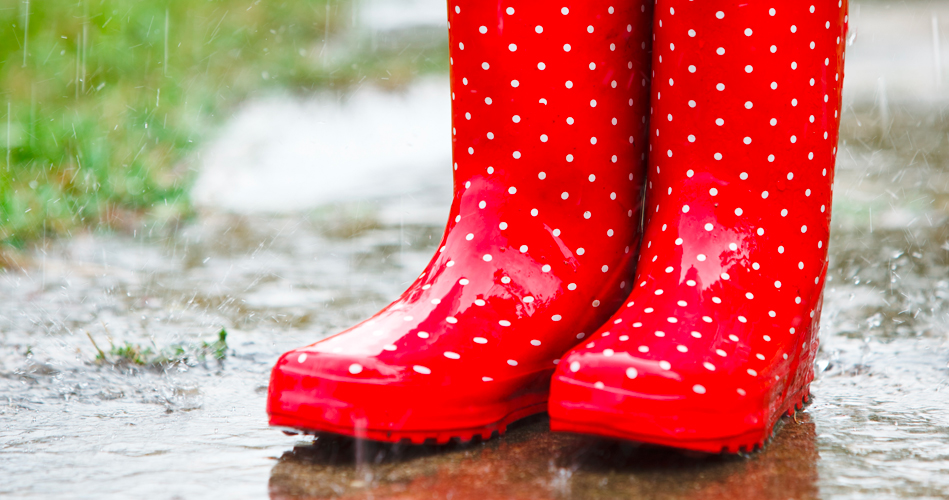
x=531, y=462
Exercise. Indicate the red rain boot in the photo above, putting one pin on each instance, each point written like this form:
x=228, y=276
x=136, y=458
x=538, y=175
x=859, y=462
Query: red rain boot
x=717, y=339
x=549, y=112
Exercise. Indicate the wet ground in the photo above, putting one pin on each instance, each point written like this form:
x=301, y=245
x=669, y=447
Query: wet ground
x=879, y=424
x=74, y=427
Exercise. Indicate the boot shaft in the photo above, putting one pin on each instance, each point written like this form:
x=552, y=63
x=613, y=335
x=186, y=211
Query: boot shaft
x=745, y=114
x=552, y=100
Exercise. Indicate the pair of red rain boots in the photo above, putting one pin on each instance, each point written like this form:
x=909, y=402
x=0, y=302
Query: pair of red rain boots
x=689, y=319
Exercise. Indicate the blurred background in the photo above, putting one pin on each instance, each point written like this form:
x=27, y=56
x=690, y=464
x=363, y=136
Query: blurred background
x=190, y=188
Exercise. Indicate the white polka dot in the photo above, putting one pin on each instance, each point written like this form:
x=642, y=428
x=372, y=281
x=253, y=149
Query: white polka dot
x=422, y=369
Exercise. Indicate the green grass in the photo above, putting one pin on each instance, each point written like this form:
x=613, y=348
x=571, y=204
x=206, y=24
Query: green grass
x=134, y=354
x=102, y=101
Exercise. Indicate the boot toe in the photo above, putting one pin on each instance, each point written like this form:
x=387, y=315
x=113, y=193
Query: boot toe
x=363, y=396
x=644, y=399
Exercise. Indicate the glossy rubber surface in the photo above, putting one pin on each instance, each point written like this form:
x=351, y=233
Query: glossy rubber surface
x=718, y=338
x=549, y=109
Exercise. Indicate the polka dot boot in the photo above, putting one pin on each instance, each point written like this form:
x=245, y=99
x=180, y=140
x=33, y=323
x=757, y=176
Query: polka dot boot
x=718, y=337
x=549, y=105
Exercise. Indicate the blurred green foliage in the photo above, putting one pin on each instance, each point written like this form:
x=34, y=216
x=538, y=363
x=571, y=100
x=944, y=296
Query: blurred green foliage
x=102, y=100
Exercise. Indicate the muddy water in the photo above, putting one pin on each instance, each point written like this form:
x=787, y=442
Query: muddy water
x=878, y=427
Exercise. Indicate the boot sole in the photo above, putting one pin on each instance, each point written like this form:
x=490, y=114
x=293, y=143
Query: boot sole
x=747, y=442
x=418, y=437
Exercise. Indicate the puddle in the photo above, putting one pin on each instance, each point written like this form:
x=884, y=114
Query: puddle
x=286, y=153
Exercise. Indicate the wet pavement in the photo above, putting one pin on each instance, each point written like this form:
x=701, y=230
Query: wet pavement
x=71, y=427
x=878, y=426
